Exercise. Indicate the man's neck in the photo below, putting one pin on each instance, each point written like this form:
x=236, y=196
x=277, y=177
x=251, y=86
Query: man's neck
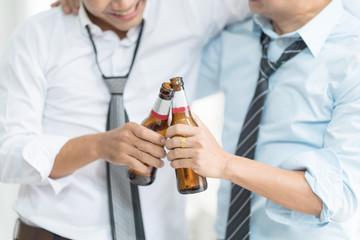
x=287, y=24
x=105, y=26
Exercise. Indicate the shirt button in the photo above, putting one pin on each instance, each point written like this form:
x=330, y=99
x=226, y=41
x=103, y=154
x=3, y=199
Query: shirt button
x=280, y=42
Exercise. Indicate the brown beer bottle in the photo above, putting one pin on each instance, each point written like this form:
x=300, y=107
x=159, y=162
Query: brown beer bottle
x=158, y=122
x=188, y=181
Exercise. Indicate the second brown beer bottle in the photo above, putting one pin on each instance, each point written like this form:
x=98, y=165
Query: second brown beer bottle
x=158, y=122
x=188, y=181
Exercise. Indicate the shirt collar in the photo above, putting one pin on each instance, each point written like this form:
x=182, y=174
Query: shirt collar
x=131, y=35
x=315, y=32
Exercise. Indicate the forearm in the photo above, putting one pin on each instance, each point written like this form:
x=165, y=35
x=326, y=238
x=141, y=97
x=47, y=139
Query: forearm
x=287, y=188
x=75, y=154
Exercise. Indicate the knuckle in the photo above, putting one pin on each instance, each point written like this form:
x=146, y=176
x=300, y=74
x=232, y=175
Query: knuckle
x=169, y=155
x=176, y=153
x=141, y=156
x=172, y=143
x=167, y=145
x=163, y=153
x=132, y=164
x=197, y=153
x=197, y=164
x=121, y=146
x=125, y=136
x=177, y=128
x=142, y=131
x=130, y=124
x=199, y=144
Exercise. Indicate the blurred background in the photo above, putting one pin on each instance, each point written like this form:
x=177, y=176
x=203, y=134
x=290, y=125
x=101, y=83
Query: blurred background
x=201, y=208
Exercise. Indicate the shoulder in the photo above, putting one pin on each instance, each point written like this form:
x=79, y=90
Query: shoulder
x=342, y=56
x=346, y=32
x=240, y=36
x=241, y=28
x=39, y=36
x=43, y=25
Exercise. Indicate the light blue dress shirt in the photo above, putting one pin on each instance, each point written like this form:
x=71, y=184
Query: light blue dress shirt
x=311, y=119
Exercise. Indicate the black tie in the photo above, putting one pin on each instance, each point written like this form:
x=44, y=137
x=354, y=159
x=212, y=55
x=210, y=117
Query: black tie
x=238, y=226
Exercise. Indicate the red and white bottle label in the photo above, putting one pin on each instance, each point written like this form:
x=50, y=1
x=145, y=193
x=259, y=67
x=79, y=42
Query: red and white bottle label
x=180, y=103
x=181, y=109
x=161, y=109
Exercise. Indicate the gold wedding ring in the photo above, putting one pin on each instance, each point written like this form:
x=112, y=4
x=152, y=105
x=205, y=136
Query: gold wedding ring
x=183, y=139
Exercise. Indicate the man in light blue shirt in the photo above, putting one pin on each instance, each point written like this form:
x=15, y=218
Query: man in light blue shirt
x=305, y=177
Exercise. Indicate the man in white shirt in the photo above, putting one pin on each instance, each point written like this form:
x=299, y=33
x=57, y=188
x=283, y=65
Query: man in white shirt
x=54, y=106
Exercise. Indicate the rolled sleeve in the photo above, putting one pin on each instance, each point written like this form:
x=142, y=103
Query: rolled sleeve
x=40, y=153
x=327, y=179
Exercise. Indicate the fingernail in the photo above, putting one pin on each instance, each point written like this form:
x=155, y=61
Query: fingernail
x=163, y=140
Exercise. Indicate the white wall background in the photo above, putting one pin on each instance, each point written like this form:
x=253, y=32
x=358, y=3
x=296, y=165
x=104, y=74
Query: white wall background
x=201, y=208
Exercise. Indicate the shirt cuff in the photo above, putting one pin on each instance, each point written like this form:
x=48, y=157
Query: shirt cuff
x=40, y=153
x=323, y=173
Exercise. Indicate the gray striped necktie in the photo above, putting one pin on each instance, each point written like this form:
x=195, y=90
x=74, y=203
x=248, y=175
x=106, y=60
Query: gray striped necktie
x=238, y=226
x=124, y=202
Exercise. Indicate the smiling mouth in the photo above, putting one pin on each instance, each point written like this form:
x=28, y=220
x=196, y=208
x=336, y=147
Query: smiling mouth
x=127, y=12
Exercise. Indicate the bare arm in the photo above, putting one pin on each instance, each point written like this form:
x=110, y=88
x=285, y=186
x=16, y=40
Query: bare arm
x=287, y=188
x=204, y=155
x=131, y=144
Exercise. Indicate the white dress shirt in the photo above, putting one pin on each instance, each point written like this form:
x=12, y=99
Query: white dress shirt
x=51, y=91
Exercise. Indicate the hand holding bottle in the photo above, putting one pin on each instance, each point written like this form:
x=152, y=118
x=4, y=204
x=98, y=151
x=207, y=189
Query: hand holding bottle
x=133, y=145
x=200, y=152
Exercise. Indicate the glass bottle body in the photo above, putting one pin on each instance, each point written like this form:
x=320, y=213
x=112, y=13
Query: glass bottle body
x=187, y=180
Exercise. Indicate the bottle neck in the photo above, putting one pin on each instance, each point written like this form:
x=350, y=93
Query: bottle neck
x=161, y=109
x=180, y=103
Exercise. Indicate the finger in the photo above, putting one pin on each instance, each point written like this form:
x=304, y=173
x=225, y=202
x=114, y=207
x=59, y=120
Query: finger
x=65, y=7
x=181, y=163
x=147, y=134
x=179, y=153
x=72, y=6
x=69, y=3
x=145, y=158
x=176, y=142
x=138, y=166
x=180, y=129
x=150, y=148
x=77, y=4
x=55, y=4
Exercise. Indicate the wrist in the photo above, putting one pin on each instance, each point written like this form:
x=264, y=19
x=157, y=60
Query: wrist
x=234, y=168
x=97, y=148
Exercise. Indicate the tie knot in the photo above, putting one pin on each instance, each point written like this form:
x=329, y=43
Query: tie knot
x=115, y=85
x=266, y=66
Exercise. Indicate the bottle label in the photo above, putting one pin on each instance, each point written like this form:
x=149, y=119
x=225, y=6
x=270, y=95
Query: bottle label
x=180, y=104
x=161, y=109
x=181, y=109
